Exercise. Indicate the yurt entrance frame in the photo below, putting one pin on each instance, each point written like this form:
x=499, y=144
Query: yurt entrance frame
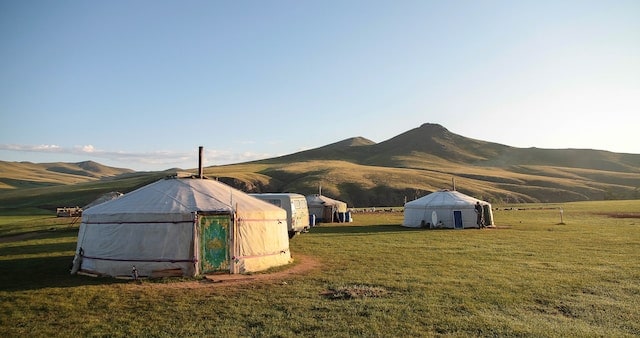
x=216, y=234
x=327, y=213
x=457, y=219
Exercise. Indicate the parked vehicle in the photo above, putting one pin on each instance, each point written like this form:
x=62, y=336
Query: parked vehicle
x=296, y=207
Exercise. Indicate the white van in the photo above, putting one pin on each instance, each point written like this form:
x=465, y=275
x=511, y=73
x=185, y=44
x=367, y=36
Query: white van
x=296, y=207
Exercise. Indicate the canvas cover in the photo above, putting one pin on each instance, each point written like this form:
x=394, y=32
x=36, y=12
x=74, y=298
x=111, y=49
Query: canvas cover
x=439, y=210
x=324, y=207
x=159, y=227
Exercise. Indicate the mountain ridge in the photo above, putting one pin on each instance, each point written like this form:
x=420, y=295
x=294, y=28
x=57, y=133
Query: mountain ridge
x=28, y=174
x=435, y=140
x=418, y=161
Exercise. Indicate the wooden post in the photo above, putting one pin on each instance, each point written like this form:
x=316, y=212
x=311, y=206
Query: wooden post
x=236, y=242
x=200, y=169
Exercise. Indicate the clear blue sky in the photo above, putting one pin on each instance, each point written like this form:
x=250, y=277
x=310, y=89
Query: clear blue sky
x=141, y=84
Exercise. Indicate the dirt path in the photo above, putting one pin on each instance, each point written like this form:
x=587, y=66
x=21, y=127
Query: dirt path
x=303, y=265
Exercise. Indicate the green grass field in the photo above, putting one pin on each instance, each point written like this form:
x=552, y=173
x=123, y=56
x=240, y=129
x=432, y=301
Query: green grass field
x=530, y=276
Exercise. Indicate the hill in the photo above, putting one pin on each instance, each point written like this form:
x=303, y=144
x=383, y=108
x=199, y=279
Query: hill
x=16, y=175
x=430, y=157
x=435, y=143
x=364, y=173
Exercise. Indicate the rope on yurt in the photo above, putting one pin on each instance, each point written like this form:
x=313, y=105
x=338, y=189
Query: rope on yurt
x=236, y=242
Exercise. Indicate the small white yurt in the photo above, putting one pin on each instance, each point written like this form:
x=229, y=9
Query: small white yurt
x=445, y=209
x=326, y=209
x=181, y=227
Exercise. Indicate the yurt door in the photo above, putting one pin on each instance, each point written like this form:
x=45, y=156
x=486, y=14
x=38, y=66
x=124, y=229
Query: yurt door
x=457, y=219
x=327, y=215
x=214, y=243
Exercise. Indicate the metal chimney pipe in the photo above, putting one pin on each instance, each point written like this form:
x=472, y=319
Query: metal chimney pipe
x=200, y=169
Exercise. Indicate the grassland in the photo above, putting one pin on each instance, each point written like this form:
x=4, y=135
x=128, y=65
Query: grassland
x=531, y=276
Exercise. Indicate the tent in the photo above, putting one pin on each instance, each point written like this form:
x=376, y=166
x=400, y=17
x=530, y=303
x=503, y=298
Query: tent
x=326, y=209
x=445, y=209
x=181, y=227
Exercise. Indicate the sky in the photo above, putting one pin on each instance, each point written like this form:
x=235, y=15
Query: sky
x=142, y=84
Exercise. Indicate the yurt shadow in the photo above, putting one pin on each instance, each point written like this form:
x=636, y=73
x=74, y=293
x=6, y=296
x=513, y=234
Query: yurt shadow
x=34, y=249
x=25, y=274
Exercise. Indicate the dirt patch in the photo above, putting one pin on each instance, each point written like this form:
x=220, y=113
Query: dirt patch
x=302, y=265
x=620, y=214
x=498, y=227
x=355, y=291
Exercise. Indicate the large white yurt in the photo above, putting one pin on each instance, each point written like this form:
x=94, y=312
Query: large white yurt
x=445, y=209
x=326, y=209
x=181, y=227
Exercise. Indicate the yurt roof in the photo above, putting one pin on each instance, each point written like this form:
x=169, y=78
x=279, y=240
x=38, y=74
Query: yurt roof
x=322, y=200
x=444, y=198
x=103, y=198
x=176, y=195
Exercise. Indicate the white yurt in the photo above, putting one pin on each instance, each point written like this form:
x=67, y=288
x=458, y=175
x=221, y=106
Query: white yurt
x=445, y=209
x=181, y=227
x=326, y=209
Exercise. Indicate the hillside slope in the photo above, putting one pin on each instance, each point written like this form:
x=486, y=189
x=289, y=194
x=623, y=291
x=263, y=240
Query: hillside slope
x=15, y=175
x=436, y=157
x=364, y=173
x=437, y=144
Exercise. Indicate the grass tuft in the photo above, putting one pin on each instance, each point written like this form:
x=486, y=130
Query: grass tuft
x=355, y=291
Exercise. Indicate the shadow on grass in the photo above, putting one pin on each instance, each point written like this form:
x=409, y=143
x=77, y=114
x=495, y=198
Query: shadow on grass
x=44, y=272
x=33, y=249
x=38, y=234
x=360, y=229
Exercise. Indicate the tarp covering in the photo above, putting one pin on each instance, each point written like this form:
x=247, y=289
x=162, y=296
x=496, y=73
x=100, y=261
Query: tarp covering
x=156, y=228
x=445, y=209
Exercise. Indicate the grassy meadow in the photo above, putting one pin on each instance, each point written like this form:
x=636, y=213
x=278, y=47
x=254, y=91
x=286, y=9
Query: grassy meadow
x=535, y=274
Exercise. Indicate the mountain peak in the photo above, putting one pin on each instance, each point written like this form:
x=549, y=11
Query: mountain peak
x=436, y=140
x=432, y=129
x=349, y=142
x=356, y=142
x=433, y=126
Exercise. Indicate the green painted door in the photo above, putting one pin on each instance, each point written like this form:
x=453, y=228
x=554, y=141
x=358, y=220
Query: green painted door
x=214, y=246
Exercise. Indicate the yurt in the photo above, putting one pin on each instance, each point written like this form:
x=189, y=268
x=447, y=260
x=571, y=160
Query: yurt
x=445, y=209
x=326, y=209
x=181, y=227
